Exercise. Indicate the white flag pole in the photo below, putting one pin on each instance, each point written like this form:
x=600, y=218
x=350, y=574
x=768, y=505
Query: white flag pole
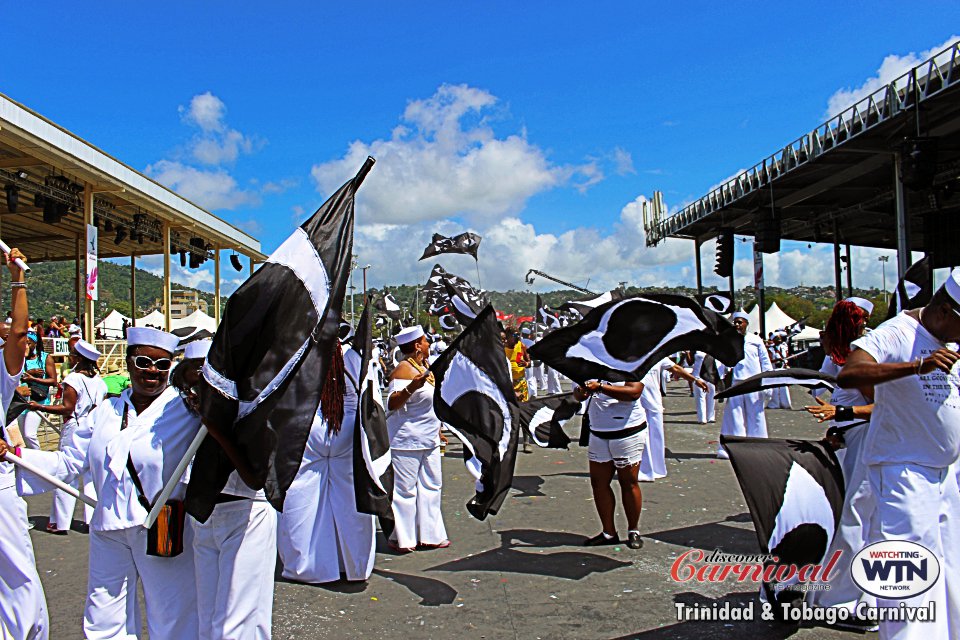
x=175, y=478
x=63, y=486
x=20, y=263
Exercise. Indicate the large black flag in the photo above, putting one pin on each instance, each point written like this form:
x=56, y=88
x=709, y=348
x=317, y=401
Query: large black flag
x=268, y=362
x=466, y=242
x=808, y=378
x=621, y=340
x=794, y=490
x=372, y=469
x=914, y=289
x=543, y=418
x=474, y=396
x=719, y=302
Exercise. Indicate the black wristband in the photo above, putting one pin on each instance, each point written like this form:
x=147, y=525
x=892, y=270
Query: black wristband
x=843, y=414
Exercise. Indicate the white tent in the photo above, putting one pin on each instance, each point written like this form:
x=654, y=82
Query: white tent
x=154, y=318
x=808, y=334
x=112, y=326
x=196, y=319
x=775, y=319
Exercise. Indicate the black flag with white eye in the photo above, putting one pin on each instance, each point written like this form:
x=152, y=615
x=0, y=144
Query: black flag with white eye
x=467, y=243
x=621, y=340
x=716, y=302
x=269, y=358
x=547, y=318
x=448, y=322
x=474, y=396
x=372, y=468
x=581, y=308
x=795, y=492
x=809, y=378
x=914, y=289
x=387, y=305
x=543, y=418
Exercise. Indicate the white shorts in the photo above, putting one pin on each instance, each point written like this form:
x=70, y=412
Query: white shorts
x=622, y=452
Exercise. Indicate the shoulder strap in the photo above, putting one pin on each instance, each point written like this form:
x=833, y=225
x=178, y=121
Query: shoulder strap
x=142, y=499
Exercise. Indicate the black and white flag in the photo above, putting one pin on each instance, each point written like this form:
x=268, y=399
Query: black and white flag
x=449, y=294
x=543, y=418
x=466, y=243
x=372, y=468
x=809, y=378
x=795, y=492
x=718, y=302
x=583, y=307
x=796, y=328
x=621, y=340
x=269, y=359
x=547, y=318
x=190, y=334
x=387, y=304
x=474, y=396
x=914, y=289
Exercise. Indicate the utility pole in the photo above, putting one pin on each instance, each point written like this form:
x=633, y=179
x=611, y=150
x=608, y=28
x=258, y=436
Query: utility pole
x=883, y=268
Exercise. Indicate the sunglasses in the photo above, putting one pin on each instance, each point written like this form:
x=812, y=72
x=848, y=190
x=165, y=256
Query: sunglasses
x=145, y=362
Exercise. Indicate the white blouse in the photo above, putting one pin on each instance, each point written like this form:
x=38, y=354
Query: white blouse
x=413, y=425
x=155, y=440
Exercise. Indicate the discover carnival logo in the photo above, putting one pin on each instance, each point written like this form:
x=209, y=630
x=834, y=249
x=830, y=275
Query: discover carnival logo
x=717, y=566
x=895, y=569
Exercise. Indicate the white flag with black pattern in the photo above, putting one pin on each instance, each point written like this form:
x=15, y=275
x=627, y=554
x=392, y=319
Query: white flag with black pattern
x=718, y=302
x=621, y=340
x=543, y=418
x=474, y=396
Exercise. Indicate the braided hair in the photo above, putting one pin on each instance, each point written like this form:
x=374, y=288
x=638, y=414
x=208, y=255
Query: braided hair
x=844, y=326
x=334, y=390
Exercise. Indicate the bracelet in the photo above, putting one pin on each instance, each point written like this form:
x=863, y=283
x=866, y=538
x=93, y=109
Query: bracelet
x=18, y=285
x=919, y=365
x=843, y=414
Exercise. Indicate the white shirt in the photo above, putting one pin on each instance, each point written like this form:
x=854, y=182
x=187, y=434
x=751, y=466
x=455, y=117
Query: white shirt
x=651, y=398
x=8, y=385
x=610, y=414
x=155, y=440
x=755, y=360
x=916, y=419
x=414, y=425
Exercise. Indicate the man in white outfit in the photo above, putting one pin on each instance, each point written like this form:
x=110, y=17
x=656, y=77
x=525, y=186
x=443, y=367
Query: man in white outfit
x=912, y=446
x=704, y=397
x=743, y=414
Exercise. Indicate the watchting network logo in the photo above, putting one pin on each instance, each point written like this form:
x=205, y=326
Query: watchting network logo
x=895, y=569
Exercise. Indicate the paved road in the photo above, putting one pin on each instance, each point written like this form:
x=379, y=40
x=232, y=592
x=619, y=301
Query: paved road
x=523, y=573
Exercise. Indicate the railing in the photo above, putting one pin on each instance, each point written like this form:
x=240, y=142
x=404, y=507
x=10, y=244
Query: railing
x=920, y=83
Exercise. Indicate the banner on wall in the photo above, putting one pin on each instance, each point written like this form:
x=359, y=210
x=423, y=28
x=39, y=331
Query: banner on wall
x=92, y=272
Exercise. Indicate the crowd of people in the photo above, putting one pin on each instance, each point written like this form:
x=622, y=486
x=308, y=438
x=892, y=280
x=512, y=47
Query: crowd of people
x=893, y=418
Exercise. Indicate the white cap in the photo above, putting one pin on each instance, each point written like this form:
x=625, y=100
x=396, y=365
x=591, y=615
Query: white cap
x=740, y=314
x=197, y=349
x=863, y=303
x=87, y=350
x=525, y=331
x=952, y=285
x=410, y=334
x=149, y=337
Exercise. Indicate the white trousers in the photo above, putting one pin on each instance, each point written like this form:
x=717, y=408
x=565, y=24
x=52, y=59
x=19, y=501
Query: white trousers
x=23, y=610
x=743, y=416
x=530, y=375
x=921, y=504
x=780, y=398
x=706, y=405
x=29, y=422
x=851, y=534
x=541, y=371
x=117, y=560
x=233, y=554
x=654, y=464
x=417, y=482
x=61, y=512
x=553, y=380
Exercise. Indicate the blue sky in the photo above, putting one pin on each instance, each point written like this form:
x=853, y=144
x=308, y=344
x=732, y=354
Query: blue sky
x=539, y=125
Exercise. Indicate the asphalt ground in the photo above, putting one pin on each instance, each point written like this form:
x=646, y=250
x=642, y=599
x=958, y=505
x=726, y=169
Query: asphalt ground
x=523, y=573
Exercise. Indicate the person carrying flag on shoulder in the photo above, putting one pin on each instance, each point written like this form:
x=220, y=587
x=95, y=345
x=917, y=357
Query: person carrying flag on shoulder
x=743, y=414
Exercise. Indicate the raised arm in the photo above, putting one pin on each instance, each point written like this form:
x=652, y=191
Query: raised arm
x=15, y=349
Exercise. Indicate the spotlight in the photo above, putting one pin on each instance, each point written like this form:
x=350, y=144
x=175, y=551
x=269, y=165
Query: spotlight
x=96, y=221
x=121, y=235
x=183, y=258
x=139, y=238
x=50, y=212
x=108, y=226
x=235, y=261
x=23, y=175
x=13, y=195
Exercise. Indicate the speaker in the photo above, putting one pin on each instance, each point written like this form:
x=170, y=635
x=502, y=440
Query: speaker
x=767, y=231
x=724, y=265
x=918, y=162
x=941, y=238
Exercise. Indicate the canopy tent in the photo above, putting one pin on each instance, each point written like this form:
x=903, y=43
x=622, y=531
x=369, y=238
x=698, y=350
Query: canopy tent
x=808, y=334
x=775, y=318
x=155, y=319
x=111, y=327
x=197, y=319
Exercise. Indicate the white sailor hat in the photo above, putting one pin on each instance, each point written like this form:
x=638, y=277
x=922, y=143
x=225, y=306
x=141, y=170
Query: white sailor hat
x=87, y=350
x=410, y=334
x=863, y=303
x=740, y=314
x=197, y=350
x=149, y=337
x=952, y=285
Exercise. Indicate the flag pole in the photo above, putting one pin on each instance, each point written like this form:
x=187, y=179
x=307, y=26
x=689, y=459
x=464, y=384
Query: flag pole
x=63, y=486
x=476, y=261
x=175, y=478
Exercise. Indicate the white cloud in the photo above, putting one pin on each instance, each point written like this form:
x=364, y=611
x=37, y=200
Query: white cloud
x=209, y=188
x=445, y=160
x=216, y=143
x=814, y=265
x=206, y=111
x=623, y=161
x=891, y=68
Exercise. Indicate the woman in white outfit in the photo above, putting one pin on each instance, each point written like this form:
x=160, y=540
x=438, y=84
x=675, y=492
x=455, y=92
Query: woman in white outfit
x=322, y=536
x=704, y=397
x=149, y=428
x=415, y=445
x=83, y=392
